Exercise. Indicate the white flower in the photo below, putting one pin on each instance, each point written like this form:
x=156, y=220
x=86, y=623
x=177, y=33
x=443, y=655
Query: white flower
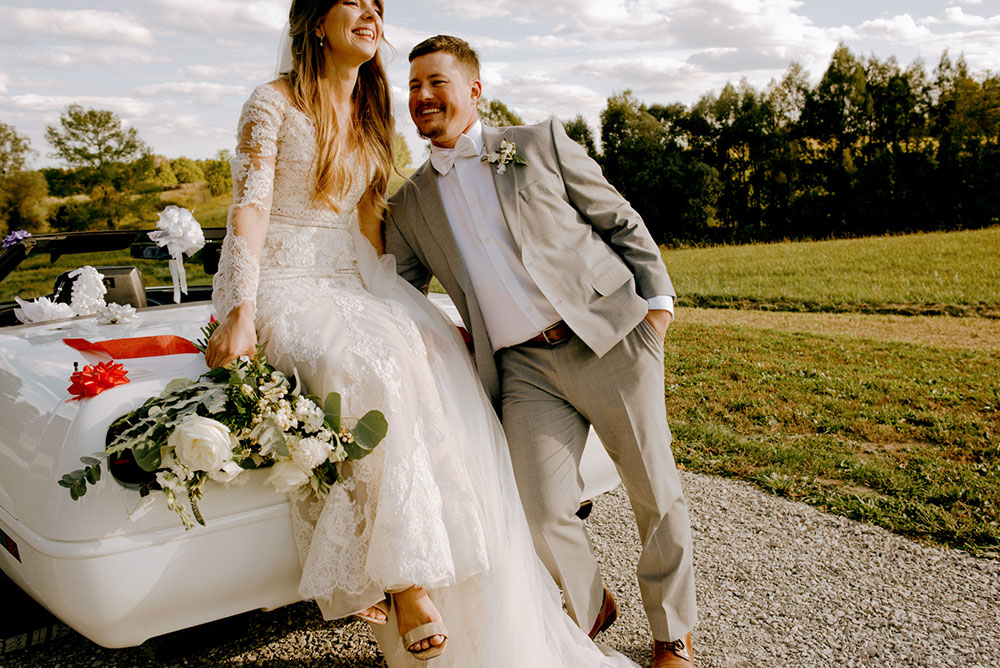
x=201, y=444
x=178, y=231
x=227, y=473
x=309, y=414
x=286, y=476
x=283, y=416
x=88, y=290
x=309, y=453
x=338, y=453
x=41, y=310
x=117, y=314
x=506, y=155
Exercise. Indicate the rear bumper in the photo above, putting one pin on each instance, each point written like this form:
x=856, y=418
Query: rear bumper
x=122, y=590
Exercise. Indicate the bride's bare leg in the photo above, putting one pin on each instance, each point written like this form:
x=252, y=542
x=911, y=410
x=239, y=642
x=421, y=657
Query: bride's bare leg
x=415, y=608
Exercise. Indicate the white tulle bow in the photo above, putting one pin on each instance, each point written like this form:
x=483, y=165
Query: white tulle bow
x=41, y=310
x=180, y=233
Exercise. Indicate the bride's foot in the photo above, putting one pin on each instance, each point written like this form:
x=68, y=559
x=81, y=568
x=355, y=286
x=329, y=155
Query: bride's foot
x=377, y=614
x=420, y=624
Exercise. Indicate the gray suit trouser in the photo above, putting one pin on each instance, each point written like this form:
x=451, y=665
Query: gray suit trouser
x=550, y=398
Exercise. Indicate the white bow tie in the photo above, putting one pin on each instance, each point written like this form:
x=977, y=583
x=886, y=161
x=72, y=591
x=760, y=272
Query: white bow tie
x=444, y=159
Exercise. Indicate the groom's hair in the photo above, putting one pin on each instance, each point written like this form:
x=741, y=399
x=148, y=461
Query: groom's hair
x=459, y=48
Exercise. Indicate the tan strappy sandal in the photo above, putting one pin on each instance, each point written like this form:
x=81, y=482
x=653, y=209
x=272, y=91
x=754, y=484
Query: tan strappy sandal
x=383, y=605
x=426, y=632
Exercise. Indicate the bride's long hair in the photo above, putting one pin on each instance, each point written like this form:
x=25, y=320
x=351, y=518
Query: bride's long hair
x=371, y=134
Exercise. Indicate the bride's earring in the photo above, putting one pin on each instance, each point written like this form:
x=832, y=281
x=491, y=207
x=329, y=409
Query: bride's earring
x=321, y=41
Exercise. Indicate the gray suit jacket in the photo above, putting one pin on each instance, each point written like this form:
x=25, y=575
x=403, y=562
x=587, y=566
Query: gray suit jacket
x=585, y=247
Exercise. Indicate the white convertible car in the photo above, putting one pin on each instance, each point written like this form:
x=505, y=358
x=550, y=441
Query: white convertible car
x=115, y=567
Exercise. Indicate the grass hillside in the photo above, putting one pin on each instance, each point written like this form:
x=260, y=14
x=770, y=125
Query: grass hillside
x=943, y=272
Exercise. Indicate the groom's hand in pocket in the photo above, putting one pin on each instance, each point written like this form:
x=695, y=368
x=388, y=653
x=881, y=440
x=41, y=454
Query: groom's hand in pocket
x=660, y=320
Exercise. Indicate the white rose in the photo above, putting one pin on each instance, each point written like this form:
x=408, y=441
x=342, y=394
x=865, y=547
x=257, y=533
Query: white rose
x=286, y=476
x=227, y=473
x=201, y=444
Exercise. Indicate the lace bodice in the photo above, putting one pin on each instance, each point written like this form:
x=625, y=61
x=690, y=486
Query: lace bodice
x=273, y=209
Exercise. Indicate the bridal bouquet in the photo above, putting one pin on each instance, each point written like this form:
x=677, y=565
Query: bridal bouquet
x=244, y=416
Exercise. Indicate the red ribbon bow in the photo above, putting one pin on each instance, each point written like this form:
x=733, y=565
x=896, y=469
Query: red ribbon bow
x=95, y=379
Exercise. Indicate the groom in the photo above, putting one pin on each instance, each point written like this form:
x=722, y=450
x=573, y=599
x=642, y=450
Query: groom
x=567, y=301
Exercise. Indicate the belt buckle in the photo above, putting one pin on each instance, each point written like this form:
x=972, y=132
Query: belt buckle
x=545, y=335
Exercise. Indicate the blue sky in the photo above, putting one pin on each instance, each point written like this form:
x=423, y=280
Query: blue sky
x=179, y=70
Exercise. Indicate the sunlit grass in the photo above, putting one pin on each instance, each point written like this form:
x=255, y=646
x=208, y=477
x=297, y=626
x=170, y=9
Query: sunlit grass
x=960, y=269
x=900, y=435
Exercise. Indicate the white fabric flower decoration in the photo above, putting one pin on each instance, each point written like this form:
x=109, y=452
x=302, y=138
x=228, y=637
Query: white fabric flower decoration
x=180, y=233
x=42, y=309
x=88, y=290
x=117, y=314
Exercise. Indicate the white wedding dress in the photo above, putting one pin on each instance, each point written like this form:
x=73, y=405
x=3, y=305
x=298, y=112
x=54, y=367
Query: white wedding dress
x=435, y=504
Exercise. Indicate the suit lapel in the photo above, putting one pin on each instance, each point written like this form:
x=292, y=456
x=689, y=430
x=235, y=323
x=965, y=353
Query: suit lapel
x=432, y=209
x=506, y=185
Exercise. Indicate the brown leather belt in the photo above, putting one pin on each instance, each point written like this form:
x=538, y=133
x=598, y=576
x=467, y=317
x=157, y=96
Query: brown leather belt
x=552, y=337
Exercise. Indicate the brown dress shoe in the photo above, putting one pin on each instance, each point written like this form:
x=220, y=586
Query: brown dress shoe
x=676, y=654
x=607, y=616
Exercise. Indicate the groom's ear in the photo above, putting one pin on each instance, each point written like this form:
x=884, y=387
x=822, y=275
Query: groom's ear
x=477, y=90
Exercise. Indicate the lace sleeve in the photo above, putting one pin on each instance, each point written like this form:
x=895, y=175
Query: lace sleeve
x=235, y=282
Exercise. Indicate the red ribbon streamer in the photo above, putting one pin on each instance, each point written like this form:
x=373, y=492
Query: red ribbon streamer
x=95, y=379
x=142, y=346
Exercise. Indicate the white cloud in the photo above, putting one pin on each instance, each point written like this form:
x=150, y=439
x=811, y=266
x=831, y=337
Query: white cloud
x=957, y=16
x=226, y=17
x=191, y=92
x=120, y=105
x=897, y=28
x=67, y=57
x=84, y=24
x=3, y=83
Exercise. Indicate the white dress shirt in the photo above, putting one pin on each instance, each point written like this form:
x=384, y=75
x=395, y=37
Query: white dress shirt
x=513, y=307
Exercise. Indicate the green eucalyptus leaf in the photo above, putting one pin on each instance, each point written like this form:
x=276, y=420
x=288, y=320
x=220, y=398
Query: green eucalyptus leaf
x=215, y=400
x=368, y=432
x=269, y=435
x=331, y=408
x=78, y=490
x=177, y=385
x=93, y=474
x=89, y=461
x=148, y=455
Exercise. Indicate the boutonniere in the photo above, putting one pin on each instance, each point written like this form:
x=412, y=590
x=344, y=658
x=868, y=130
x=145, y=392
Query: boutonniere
x=506, y=155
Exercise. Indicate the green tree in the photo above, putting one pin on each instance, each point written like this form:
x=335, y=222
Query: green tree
x=93, y=138
x=22, y=201
x=110, y=164
x=401, y=151
x=496, y=114
x=580, y=132
x=14, y=150
x=187, y=171
x=219, y=174
x=647, y=163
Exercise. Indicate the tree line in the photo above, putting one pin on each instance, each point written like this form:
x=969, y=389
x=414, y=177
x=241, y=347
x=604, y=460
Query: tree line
x=110, y=178
x=872, y=148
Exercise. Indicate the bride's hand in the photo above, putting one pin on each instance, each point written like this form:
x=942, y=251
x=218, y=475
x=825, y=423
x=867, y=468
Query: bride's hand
x=234, y=337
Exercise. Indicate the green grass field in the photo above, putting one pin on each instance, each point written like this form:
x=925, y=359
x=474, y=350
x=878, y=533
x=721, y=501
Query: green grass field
x=947, y=272
x=901, y=435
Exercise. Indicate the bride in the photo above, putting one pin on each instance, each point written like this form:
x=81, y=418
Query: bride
x=432, y=515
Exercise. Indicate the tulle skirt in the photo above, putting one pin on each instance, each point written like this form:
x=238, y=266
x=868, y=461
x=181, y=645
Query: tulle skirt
x=436, y=503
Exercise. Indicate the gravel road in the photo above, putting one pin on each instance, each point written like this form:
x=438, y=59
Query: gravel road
x=779, y=584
